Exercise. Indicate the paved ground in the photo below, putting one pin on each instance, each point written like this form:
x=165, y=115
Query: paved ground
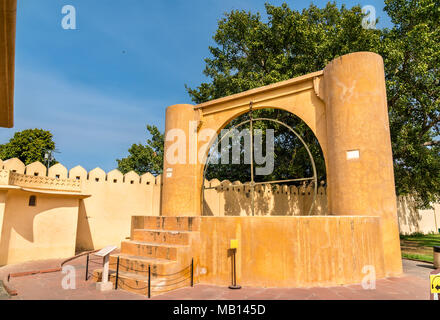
x=3, y=293
x=414, y=285
x=48, y=286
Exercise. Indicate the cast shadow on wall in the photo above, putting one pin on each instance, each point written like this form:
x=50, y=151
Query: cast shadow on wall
x=234, y=199
x=84, y=240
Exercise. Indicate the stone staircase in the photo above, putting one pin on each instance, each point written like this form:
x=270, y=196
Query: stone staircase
x=165, y=244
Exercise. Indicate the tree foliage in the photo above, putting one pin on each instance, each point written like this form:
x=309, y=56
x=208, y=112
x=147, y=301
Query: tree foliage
x=291, y=159
x=145, y=158
x=411, y=50
x=250, y=52
x=29, y=146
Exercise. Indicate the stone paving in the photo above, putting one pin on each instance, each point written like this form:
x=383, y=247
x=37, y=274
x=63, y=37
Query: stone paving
x=3, y=294
x=414, y=285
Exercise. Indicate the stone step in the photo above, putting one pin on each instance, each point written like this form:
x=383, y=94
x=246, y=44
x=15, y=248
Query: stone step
x=139, y=265
x=166, y=223
x=162, y=236
x=151, y=250
x=139, y=284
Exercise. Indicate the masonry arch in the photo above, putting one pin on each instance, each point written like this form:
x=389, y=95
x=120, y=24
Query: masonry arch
x=302, y=102
x=311, y=112
x=297, y=167
x=345, y=106
x=298, y=96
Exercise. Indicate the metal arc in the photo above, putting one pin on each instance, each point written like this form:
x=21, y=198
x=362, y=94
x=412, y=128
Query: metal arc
x=252, y=184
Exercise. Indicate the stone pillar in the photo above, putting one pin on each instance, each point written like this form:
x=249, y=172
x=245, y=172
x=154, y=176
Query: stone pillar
x=360, y=165
x=179, y=193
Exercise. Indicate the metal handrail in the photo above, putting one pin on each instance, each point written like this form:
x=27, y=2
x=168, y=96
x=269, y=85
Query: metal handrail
x=150, y=275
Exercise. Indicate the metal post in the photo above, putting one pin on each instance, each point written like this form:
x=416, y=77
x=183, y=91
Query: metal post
x=234, y=273
x=87, y=268
x=436, y=257
x=117, y=274
x=234, y=277
x=149, y=281
x=192, y=272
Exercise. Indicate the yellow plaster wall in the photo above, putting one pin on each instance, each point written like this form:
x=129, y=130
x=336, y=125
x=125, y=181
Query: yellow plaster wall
x=345, y=105
x=412, y=220
x=14, y=165
x=296, y=96
x=36, y=169
x=232, y=199
x=46, y=231
x=3, y=195
x=105, y=217
x=290, y=251
x=78, y=210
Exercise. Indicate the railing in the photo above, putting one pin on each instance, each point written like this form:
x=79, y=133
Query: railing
x=172, y=281
x=90, y=261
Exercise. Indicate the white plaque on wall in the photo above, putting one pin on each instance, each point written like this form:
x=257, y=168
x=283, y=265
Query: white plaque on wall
x=353, y=155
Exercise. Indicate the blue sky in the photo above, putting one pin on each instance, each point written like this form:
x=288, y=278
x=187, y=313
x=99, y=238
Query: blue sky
x=96, y=88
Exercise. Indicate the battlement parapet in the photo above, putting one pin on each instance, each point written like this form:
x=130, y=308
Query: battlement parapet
x=42, y=182
x=59, y=178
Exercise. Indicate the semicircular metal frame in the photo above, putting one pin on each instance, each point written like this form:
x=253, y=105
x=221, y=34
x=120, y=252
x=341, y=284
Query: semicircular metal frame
x=252, y=183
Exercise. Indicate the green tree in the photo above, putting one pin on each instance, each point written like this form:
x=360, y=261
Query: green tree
x=145, y=158
x=250, y=53
x=291, y=159
x=411, y=50
x=29, y=146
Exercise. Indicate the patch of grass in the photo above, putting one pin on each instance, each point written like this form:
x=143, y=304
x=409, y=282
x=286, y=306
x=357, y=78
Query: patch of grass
x=418, y=246
x=419, y=257
x=412, y=235
x=427, y=240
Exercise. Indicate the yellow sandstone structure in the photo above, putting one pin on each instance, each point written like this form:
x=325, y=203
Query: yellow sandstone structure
x=53, y=213
x=345, y=106
x=49, y=215
x=99, y=218
x=158, y=222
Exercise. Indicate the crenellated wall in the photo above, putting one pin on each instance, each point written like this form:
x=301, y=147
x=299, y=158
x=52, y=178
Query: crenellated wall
x=229, y=199
x=233, y=199
x=105, y=217
x=89, y=210
x=102, y=205
x=412, y=220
